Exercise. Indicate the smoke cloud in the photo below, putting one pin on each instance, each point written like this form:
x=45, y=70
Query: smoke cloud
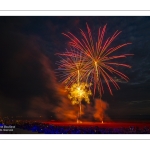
x=29, y=86
x=100, y=108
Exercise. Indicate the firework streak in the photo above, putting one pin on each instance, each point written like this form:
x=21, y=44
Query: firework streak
x=92, y=62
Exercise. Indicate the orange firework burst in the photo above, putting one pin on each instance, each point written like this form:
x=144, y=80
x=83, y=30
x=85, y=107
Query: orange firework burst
x=72, y=68
x=97, y=59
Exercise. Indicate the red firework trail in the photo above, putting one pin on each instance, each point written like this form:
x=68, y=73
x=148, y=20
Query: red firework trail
x=96, y=59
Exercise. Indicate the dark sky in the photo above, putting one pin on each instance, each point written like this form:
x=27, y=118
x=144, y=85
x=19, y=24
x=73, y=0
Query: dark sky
x=27, y=63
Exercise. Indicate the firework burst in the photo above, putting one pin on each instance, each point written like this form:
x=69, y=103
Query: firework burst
x=72, y=68
x=79, y=92
x=90, y=62
x=97, y=59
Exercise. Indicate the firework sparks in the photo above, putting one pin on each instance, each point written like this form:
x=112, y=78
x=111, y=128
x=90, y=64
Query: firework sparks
x=79, y=92
x=72, y=68
x=98, y=59
x=88, y=63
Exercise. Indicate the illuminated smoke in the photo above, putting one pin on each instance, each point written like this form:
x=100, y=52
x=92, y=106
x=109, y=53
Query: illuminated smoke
x=96, y=112
x=28, y=84
x=100, y=109
x=54, y=104
x=65, y=111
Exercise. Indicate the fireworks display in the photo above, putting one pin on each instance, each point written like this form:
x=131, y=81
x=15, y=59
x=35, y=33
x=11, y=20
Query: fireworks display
x=89, y=62
x=92, y=62
x=72, y=69
x=79, y=92
x=62, y=70
x=73, y=72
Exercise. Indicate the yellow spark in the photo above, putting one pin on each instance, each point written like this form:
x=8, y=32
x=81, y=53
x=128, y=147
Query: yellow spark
x=79, y=92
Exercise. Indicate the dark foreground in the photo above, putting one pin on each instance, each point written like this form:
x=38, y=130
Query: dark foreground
x=28, y=127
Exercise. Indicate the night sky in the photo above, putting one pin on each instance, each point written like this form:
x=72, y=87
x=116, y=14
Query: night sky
x=29, y=86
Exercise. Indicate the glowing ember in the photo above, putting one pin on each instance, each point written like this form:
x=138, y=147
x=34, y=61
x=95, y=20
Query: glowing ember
x=78, y=121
